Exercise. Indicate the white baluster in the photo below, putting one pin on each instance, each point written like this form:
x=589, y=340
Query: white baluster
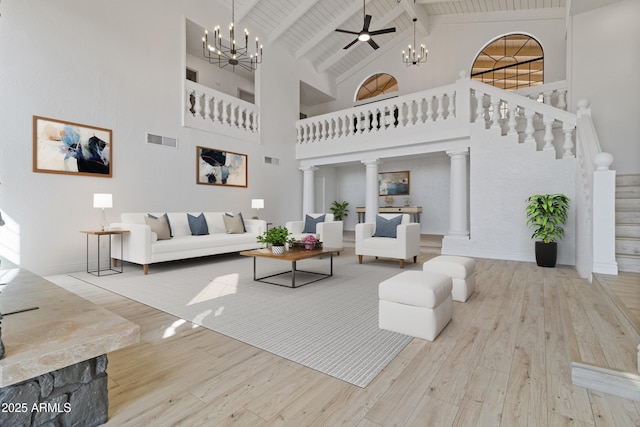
x=420, y=113
x=224, y=115
x=299, y=134
x=257, y=122
x=327, y=130
x=479, y=106
x=216, y=111
x=429, y=109
x=568, y=140
x=402, y=116
x=345, y=125
x=529, y=130
x=244, y=115
x=207, y=107
x=512, y=120
x=440, y=110
x=236, y=116
x=562, y=99
x=547, y=97
x=548, y=133
x=197, y=107
x=309, y=132
x=495, y=116
x=451, y=112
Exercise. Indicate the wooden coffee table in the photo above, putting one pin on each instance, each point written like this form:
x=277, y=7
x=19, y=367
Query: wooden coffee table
x=292, y=255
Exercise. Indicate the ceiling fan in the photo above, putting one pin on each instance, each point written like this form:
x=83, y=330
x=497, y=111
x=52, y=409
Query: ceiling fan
x=365, y=35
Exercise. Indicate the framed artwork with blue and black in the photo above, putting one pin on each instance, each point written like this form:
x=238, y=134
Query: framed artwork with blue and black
x=393, y=183
x=217, y=167
x=71, y=148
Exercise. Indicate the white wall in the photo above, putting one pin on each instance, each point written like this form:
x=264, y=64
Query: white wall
x=605, y=62
x=115, y=65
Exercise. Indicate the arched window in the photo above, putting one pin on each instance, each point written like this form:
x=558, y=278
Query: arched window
x=510, y=62
x=377, y=85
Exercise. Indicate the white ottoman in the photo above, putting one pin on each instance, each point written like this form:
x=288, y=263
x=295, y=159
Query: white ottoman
x=415, y=303
x=462, y=271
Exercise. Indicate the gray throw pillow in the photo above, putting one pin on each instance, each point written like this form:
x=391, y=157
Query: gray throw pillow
x=244, y=227
x=310, y=223
x=158, y=226
x=198, y=225
x=233, y=224
x=387, y=227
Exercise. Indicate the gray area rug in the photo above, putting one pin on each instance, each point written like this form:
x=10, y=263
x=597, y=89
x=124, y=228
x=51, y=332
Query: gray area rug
x=330, y=326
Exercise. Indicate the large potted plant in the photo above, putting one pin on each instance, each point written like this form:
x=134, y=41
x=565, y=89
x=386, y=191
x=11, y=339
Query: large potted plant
x=339, y=210
x=546, y=214
x=277, y=237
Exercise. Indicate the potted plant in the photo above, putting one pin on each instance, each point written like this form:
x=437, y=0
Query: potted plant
x=546, y=214
x=277, y=237
x=340, y=210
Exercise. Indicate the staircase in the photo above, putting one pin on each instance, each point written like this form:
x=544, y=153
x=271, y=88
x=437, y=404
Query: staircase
x=628, y=223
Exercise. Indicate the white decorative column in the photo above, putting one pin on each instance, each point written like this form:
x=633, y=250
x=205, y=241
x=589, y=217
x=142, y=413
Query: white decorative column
x=308, y=189
x=371, y=200
x=459, y=194
x=604, y=215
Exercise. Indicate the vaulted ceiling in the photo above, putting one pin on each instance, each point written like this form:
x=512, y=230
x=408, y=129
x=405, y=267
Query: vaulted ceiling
x=307, y=27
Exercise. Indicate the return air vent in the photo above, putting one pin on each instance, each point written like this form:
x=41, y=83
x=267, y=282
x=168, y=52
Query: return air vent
x=162, y=140
x=271, y=161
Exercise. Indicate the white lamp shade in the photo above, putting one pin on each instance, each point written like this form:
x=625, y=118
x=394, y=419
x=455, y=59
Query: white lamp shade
x=257, y=203
x=102, y=200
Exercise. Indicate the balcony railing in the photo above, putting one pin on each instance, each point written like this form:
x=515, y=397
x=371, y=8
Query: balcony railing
x=207, y=109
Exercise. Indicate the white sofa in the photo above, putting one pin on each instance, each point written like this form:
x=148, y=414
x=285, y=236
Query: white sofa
x=328, y=232
x=141, y=245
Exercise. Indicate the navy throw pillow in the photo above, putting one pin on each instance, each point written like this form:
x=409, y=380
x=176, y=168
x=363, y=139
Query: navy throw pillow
x=166, y=218
x=198, y=225
x=310, y=223
x=387, y=227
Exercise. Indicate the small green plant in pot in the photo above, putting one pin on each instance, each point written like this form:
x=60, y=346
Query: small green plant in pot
x=546, y=214
x=277, y=237
x=339, y=210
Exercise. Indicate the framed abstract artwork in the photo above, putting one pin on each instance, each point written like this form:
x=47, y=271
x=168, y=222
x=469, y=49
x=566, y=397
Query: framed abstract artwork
x=393, y=183
x=216, y=167
x=71, y=148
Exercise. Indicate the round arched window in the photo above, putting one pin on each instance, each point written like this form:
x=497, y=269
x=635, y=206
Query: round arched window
x=510, y=62
x=377, y=85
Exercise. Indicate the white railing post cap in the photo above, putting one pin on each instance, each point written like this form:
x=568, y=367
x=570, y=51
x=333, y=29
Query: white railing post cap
x=602, y=161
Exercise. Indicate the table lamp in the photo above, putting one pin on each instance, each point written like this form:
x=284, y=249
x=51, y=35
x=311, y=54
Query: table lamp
x=257, y=204
x=103, y=200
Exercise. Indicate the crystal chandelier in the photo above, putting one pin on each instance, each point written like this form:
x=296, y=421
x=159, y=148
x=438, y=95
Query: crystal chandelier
x=410, y=58
x=224, y=55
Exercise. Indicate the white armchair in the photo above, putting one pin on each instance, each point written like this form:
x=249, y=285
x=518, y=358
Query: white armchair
x=405, y=245
x=329, y=232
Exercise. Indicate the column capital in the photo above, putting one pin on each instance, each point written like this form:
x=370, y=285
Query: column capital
x=458, y=152
x=308, y=168
x=371, y=162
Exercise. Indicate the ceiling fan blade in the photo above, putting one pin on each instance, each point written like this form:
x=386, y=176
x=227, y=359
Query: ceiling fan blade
x=373, y=44
x=350, y=44
x=367, y=21
x=384, y=31
x=347, y=31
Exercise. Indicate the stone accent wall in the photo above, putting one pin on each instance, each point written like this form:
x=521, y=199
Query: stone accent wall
x=71, y=396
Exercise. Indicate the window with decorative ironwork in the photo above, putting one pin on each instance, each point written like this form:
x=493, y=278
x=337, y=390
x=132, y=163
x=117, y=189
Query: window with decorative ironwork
x=377, y=85
x=510, y=62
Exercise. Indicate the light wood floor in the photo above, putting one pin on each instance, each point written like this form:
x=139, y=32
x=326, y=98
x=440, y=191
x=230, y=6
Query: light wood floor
x=504, y=360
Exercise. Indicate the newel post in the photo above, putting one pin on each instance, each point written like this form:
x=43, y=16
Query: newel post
x=604, y=215
x=462, y=98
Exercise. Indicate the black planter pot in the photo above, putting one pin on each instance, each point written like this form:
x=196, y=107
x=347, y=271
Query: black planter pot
x=546, y=254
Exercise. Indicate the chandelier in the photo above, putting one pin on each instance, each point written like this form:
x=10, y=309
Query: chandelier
x=229, y=54
x=410, y=58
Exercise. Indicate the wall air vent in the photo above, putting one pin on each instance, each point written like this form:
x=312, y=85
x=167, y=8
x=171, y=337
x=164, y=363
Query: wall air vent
x=162, y=140
x=271, y=161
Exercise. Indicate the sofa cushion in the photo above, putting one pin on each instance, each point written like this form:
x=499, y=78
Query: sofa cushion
x=233, y=224
x=387, y=227
x=160, y=226
x=202, y=243
x=311, y=222
x=166, y=217
x=198, y=225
